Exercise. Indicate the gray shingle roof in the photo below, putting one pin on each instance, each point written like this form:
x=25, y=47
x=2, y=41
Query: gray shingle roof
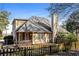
x=37, y=24
x=33, y=24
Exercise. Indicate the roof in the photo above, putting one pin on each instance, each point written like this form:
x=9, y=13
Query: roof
x=20, y=26
x=19, y=20
x=36, y=24
x=45, y=26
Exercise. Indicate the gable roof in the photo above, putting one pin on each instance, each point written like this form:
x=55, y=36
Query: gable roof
x=32, y=26
x=45, y=26
x=19, y=20
x=36, y=25
x=20, y=26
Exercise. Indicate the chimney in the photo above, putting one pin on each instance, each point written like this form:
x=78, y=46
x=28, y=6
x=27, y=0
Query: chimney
x=54, y=26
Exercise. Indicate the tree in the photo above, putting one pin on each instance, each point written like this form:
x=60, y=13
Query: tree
x=4, y=16
x=60, y=37
x=72, y=24
x=67, y=39
x=54, y=10
x=57, y=8
x=61, y=7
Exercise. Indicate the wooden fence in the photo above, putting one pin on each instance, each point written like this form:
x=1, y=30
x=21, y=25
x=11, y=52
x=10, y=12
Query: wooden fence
x=29, y=51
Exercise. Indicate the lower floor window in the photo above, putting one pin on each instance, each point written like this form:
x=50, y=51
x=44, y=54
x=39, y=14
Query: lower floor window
x=41, y=36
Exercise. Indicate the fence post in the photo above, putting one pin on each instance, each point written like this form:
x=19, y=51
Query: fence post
x=50, y=49
x=24, y=51
x=28, y=51
x=3, y=52
x=7, y=52
x=10, y=51
x=0, y=52
x=31, y=50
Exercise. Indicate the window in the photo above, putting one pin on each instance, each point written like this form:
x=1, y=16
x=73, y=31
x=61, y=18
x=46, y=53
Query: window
x=38, y=36
x=46, y=37
x=41, y=36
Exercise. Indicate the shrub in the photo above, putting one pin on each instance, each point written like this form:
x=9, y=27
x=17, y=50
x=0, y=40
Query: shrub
x=67, y=39
x=60, y=37
x=8, y=39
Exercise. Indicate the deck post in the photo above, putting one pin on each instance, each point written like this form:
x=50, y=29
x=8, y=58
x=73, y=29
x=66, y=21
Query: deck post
x=16, y=41
x=25, y=37
x=19, y=38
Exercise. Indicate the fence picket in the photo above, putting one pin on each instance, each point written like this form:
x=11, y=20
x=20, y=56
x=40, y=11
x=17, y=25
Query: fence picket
x=0, y=52
x=39, y=50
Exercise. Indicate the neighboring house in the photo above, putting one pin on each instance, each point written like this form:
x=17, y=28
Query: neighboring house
x=34, y=30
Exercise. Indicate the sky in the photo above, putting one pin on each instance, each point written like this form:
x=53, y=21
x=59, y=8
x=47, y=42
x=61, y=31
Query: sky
x=24, y=11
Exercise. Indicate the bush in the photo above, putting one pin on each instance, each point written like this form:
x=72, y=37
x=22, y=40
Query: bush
x=60, y=37
x=67, y=39
x=8, y=39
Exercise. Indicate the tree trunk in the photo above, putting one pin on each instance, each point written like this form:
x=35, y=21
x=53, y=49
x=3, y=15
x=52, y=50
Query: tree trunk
x=54, y=26
x=76, y=38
